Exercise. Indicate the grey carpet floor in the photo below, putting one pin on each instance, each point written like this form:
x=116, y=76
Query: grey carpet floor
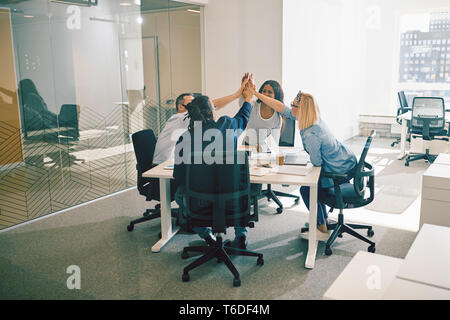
x=116, y=264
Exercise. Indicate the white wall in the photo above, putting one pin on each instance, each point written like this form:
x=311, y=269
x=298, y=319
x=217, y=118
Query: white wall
x=241, y=36
x=322, y=55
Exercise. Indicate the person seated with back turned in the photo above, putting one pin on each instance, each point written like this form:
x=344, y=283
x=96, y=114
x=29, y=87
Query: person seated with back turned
x=323, y=148
x=201, y=113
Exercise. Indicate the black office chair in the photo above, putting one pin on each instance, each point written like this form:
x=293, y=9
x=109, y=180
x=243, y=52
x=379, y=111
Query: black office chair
x=350, y=195
x=221, y=199
x=287, y=140
x=144, y=143
x=428, y=122
x=403, y=108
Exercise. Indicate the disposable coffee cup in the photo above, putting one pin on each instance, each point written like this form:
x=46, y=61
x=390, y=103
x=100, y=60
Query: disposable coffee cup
x=280, y=159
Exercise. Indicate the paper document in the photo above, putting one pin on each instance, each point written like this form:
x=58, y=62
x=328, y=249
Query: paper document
x=258, y=171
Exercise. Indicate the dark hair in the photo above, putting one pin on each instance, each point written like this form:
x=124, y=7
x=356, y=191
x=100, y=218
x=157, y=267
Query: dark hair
x=199, y=109
x=181, y=98
x=277, y=90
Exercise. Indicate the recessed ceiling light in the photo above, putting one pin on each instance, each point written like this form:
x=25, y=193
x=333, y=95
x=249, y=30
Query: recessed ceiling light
x=27, y=16
x=125, y=4
x=191, y=10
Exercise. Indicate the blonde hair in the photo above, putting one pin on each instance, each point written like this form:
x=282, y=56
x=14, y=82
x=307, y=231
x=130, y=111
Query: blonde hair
x=308, y=113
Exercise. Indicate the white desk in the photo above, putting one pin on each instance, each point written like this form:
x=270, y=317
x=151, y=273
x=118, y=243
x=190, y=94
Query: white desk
x=404, y=117
x=356, y=282
x=435, y=196
x=428, y=259
x=423, y=274
x=310, y=180
x=442, y=158
x=401, y=289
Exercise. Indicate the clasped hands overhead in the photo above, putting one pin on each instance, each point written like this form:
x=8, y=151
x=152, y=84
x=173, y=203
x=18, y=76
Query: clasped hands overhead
x=248, y=87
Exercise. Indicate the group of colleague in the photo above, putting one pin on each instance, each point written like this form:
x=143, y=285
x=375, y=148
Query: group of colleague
x=265, y=110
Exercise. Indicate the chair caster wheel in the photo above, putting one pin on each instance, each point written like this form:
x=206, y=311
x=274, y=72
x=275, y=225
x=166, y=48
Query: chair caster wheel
x=184, y=255
x=296, y=201
x=185, y=277
x=340, y=235
x=237, y=282
x=328, y=251
x=145, y=214
x=371, y=249
x=279, y=210
x=260, y=262
x=406, y=164
x=370, y=233
x=160, y=235
x=130, y=227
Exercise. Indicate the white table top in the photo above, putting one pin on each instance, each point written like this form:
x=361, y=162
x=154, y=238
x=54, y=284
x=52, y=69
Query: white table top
x=428, y=259
x=311, y=179
x=400, y=289
x=442, y=158
x=352, y=283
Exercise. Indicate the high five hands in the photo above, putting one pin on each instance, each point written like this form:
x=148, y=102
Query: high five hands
x=248, y=87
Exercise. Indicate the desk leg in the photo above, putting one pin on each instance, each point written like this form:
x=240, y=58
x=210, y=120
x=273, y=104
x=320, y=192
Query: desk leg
x=312, y=242
x=166, y=215
x=403, y=139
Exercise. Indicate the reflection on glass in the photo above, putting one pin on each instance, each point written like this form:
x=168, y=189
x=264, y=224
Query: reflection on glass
x=87, y=78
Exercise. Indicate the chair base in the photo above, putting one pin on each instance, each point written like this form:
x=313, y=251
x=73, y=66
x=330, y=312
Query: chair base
x=340, y=227
x=425, y=156
x=221, y=253
x=273, y=195
x=151, y=214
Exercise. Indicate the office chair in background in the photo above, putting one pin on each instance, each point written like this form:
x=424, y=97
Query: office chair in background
x=144, y=143
x=428, y=122
x=403, y=108
x=226, y=198
x=287, y=139
x=350, y=195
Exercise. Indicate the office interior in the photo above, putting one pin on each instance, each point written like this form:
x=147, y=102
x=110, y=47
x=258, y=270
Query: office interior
x=103, y=70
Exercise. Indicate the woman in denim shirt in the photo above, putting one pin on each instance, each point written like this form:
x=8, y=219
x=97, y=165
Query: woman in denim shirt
x=323, y=148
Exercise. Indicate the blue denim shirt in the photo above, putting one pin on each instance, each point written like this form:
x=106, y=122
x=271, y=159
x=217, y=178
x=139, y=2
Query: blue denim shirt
x=324, y=149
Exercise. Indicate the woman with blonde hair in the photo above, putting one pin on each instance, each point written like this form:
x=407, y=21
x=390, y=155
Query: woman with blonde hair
x=323, y=148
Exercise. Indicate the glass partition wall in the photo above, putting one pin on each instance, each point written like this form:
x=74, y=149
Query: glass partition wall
x=85, y=75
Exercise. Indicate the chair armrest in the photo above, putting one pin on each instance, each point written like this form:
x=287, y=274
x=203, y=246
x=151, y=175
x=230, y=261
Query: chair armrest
x=336, y=177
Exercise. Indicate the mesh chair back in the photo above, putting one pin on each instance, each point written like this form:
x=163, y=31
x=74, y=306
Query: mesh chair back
x=223, y=185
x=144, y=143
x=403, y=103
x=428, y=109
x=360, y=174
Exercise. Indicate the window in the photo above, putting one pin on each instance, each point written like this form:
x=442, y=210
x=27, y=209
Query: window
x=431, y=77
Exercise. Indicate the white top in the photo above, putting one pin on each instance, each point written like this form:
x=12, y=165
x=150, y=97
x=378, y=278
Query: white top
x=428, y=259
x=167, y=139
x=366, y=277
x=263, y=127
x=401, y=289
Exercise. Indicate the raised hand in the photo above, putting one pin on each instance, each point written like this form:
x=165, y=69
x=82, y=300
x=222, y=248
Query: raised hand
x=247, y=93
